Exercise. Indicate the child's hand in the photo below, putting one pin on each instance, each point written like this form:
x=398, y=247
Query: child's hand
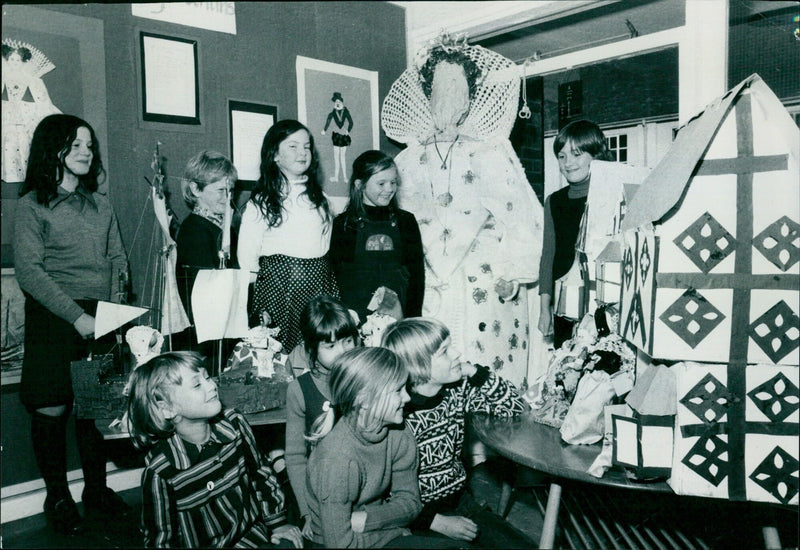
x=287, y=532
x=468, y=369
x=84, y=325
x=545, y=316
x=307, y=531
x=455, y=527
x=358, y=520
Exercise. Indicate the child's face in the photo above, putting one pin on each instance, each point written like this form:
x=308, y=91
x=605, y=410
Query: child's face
x=214, y=196
x=392, y=404
x=574, y=164
x=445, y=364
x=79, y=156
x=196, y=397
x=294, y=154
x=327, y=352
x=380, y=188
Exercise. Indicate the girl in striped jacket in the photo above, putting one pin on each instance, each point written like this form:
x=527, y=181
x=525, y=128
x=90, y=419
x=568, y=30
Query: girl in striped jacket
x=204, y=484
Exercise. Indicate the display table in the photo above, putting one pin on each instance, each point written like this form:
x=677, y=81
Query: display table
x=272, y=416
x=540, y=447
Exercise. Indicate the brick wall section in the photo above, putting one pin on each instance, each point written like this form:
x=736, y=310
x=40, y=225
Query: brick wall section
x=624, y=89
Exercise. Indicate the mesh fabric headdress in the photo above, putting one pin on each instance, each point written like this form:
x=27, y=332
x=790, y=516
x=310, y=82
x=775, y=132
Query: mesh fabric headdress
x=406, y=114
x=37, y=65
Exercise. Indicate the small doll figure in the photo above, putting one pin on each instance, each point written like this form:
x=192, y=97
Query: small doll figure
x=257, y=351
x=340, y=136
x=385, y=308
x=145, y=343
x=373, y=328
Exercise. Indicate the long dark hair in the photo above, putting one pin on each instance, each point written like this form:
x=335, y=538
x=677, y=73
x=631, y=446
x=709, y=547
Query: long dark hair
x=50, y=145
x=268, y=193
x=365, y=166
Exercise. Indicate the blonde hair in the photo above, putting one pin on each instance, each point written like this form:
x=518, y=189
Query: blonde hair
x=205, y=168
x=415, y=340
x=360, y=382
x=149, y=386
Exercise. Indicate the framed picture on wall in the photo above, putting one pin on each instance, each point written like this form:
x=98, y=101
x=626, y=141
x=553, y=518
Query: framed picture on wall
x=248, y=123
x=170, y=86
x=339, y=105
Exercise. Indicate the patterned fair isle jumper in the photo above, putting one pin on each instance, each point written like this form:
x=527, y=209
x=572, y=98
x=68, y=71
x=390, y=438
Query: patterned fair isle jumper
x=438, y=426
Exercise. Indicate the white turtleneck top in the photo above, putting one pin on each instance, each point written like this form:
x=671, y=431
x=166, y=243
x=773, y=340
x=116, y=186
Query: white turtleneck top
x=303, y=233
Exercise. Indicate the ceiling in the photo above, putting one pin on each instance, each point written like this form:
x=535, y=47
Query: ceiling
x=516, y=29
x=602, y=24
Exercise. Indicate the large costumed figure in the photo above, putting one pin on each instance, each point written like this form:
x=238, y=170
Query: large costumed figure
x=480, y=221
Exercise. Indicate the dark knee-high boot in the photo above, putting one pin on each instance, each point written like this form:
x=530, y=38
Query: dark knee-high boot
x=93, y=455
x=49, y=436
x=97, y=497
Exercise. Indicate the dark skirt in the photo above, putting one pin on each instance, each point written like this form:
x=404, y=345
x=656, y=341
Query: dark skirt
x=51, y=344
x=284, y=286
x=340, y=140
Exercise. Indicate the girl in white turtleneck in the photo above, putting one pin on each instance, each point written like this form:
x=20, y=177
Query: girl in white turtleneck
x=286, y=231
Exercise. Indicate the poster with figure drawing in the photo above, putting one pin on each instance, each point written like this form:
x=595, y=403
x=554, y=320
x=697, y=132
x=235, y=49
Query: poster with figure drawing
x=339, y=105
x=25, y=103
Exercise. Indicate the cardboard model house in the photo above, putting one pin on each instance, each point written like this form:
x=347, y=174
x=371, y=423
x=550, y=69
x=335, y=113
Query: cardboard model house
x=737, y=432
x=711, y=260
x=711, y=277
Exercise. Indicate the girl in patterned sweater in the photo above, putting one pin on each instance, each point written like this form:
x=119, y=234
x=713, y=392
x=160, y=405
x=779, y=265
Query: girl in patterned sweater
x=443, y=391
x=204, y=484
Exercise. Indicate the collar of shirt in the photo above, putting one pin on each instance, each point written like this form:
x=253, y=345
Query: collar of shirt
x=421, y=402
x=222, y=431
x=81, y=195
x=578, y=190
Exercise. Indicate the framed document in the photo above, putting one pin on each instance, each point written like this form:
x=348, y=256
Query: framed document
x=170, y=86
x=248, y=123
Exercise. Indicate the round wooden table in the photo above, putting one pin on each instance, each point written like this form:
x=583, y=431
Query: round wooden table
x=540, y=447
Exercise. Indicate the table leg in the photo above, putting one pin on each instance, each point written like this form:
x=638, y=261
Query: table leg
x=550, y=517
x=772, y=540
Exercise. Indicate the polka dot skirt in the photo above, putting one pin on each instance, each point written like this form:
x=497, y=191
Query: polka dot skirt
x=285, y=285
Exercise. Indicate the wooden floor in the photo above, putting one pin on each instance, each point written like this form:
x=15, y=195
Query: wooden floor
x=719, y=524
